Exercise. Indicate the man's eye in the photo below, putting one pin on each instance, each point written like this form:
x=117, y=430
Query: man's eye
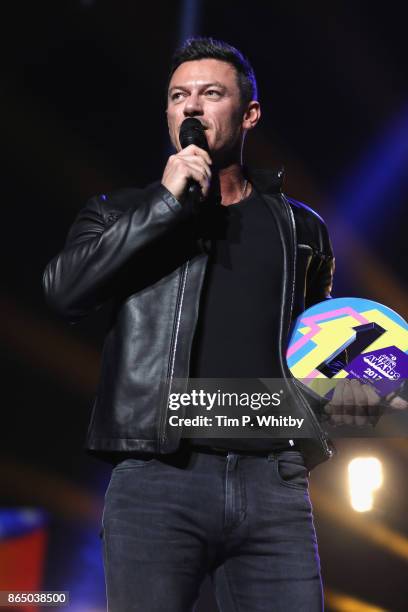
x=176, y=96
x=213, y=93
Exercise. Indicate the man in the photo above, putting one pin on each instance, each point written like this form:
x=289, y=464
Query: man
x=203, y=289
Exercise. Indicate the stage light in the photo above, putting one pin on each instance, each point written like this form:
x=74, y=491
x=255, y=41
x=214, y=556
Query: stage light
x=365, y=477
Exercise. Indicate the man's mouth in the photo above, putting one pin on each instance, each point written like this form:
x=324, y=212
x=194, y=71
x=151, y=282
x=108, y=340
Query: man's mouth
x=205, y=126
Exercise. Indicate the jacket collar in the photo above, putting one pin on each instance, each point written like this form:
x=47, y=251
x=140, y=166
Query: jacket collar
x=265, y=180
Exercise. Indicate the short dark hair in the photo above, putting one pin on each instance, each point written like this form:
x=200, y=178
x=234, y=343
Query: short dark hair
x=209, y=48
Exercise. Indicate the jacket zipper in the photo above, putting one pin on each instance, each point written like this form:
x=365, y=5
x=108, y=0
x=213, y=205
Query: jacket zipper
x=314, y=420
x=176, y=329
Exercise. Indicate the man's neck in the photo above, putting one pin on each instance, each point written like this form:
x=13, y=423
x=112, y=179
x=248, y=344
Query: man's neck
x=233, y=186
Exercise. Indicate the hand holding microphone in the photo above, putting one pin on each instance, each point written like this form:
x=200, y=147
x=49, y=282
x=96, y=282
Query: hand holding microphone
x=188, y=172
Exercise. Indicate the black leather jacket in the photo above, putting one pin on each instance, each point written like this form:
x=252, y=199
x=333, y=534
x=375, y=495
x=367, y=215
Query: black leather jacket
x=132, y=247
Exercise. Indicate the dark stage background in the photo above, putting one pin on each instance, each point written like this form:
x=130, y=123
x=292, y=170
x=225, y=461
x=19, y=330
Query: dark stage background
x=83, y=99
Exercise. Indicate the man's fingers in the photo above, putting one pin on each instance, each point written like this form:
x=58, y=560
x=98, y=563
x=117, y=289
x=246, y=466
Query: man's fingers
x=372, y=396
x=335, y=406
x=337, y=399
x=194, y=150
x=375, y=410
x=349, y=394
x=360, y=402
x=198, y=167
x=350, y=402
x=200, y=173
x=361, y=416
x=186, y=165
x=358, y=393
x=191, y=161
x=353, y=403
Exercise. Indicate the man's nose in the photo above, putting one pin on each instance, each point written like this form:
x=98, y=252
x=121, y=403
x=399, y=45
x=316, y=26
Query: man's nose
x=193, y=106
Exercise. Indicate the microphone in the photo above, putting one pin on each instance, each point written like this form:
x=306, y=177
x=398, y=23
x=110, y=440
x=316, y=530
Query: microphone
x=192, y=132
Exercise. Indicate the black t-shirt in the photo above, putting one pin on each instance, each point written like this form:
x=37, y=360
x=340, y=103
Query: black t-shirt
x=237, y=330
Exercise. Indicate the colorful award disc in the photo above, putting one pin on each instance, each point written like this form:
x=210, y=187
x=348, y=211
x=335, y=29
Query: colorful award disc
x=349, y=338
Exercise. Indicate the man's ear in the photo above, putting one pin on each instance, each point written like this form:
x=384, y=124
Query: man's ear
x=251, y=115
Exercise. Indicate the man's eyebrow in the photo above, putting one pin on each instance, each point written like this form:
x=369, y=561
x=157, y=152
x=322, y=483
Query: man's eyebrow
x=204, y=85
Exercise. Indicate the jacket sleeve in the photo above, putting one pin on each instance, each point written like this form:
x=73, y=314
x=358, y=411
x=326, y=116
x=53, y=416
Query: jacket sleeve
x=80, y=278
x=319, y=284
x=320, y=274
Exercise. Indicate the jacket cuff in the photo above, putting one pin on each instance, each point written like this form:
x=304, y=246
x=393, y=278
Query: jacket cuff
x=169, y=198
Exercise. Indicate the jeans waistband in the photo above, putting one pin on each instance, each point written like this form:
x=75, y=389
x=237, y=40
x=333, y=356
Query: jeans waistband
x=213, y=450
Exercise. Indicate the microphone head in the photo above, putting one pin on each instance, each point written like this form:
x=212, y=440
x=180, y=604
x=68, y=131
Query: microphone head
x=192, y=132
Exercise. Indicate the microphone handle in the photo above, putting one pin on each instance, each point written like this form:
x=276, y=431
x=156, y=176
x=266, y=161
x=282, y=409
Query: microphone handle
x=194, y=190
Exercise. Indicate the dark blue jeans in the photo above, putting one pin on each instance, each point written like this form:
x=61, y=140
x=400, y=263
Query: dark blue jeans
x=245, y=520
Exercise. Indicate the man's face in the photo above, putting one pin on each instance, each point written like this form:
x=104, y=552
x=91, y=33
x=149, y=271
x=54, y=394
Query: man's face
x=208, y=90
